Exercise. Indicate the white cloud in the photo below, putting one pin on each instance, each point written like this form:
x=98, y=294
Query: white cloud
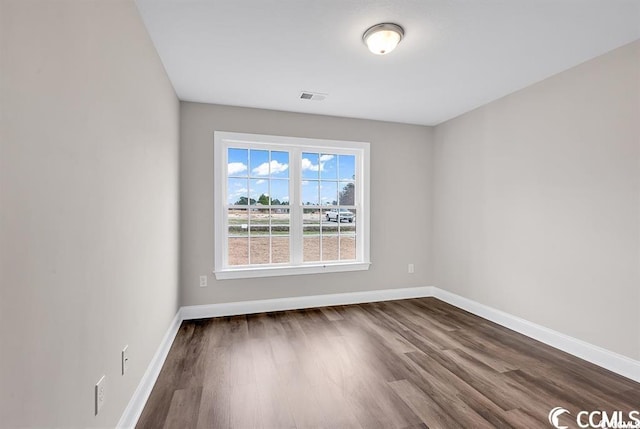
x=308, y=165
x=260, y=182
x=276, y=167
x=237, y=193
x=236, y=167
x=240, y=192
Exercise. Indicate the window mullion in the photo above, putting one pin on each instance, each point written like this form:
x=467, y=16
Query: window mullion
x=270, y=212
x=295, y=202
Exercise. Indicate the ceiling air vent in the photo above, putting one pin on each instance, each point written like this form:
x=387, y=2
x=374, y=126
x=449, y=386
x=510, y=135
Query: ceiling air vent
x=315, y=96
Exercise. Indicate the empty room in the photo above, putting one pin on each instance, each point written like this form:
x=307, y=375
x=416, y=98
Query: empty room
x=319, y=214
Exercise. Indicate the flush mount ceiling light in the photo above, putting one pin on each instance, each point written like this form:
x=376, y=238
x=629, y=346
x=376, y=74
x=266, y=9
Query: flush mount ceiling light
x=383, y=38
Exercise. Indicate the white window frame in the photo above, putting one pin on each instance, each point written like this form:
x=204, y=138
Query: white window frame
x=295, y=146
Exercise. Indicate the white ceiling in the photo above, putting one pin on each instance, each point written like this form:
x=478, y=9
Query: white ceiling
x=456, y=54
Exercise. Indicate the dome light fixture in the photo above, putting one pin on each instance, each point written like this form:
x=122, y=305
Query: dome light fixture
x=383, y=38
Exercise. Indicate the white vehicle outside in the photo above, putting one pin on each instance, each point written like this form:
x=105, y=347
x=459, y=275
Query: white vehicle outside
x=343, y=215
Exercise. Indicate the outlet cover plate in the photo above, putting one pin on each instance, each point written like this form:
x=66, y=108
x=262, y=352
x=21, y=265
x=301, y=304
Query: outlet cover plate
x=125, y=359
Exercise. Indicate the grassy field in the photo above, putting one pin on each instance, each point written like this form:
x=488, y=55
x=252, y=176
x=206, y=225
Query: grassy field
x=257, y=223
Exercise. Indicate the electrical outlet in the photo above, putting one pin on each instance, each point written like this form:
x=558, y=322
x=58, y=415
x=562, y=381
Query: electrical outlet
x=125, y=359
x=411, y=269
x=203, y=281
x=100, y=394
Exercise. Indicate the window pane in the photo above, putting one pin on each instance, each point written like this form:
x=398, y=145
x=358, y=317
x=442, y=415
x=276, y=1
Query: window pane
x=329, y=193
x=347, y=247
x=259, y=191
x=310, y=192
x=238, y=222
x=279, y=249
x=328, y=166
x=238, y=251
x=237, y=192
x=279, y=192
x=259, y=222
x=311, y=216
x=237, y=162
x=279, y=164
x=348, y=235
x=280, y=220
x=311, y=248
x=329, y=247
x=329, y=220
x=310, y=165
x=259, y=250
x=347, y=219
x=347, y=195
x=347, y=167
x=311, y=235
x=259, y=163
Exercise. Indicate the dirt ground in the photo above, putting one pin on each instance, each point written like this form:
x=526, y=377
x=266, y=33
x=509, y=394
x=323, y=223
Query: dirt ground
x=239, y=249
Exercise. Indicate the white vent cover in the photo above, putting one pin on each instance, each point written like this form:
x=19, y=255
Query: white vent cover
x=315, y=96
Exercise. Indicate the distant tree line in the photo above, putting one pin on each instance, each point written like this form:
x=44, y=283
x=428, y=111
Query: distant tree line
x=262, y=200
x=345, y=198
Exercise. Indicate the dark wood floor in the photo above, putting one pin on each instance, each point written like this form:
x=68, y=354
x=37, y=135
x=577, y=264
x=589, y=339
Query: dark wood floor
x=402, y=364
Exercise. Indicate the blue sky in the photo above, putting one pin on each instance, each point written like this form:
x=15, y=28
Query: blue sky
x=255, y=172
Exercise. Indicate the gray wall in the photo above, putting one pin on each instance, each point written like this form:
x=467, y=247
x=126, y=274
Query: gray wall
x=400, y=202
x=537, y=203
x=89, y=208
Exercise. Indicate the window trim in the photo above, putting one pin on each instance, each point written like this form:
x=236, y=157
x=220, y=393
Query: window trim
x=223, y=140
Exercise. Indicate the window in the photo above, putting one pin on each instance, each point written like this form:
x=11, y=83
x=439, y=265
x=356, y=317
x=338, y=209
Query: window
x=287, y=205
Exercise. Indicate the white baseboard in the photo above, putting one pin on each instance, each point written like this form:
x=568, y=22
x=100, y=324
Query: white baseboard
x=294, y=303
x=139, y=399
x=604, y=358
x=615, y=362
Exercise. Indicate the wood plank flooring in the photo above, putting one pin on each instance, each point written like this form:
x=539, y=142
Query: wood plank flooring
x=417, y=363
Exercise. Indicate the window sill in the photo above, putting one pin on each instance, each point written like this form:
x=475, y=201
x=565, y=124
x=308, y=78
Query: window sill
x=254, y=272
